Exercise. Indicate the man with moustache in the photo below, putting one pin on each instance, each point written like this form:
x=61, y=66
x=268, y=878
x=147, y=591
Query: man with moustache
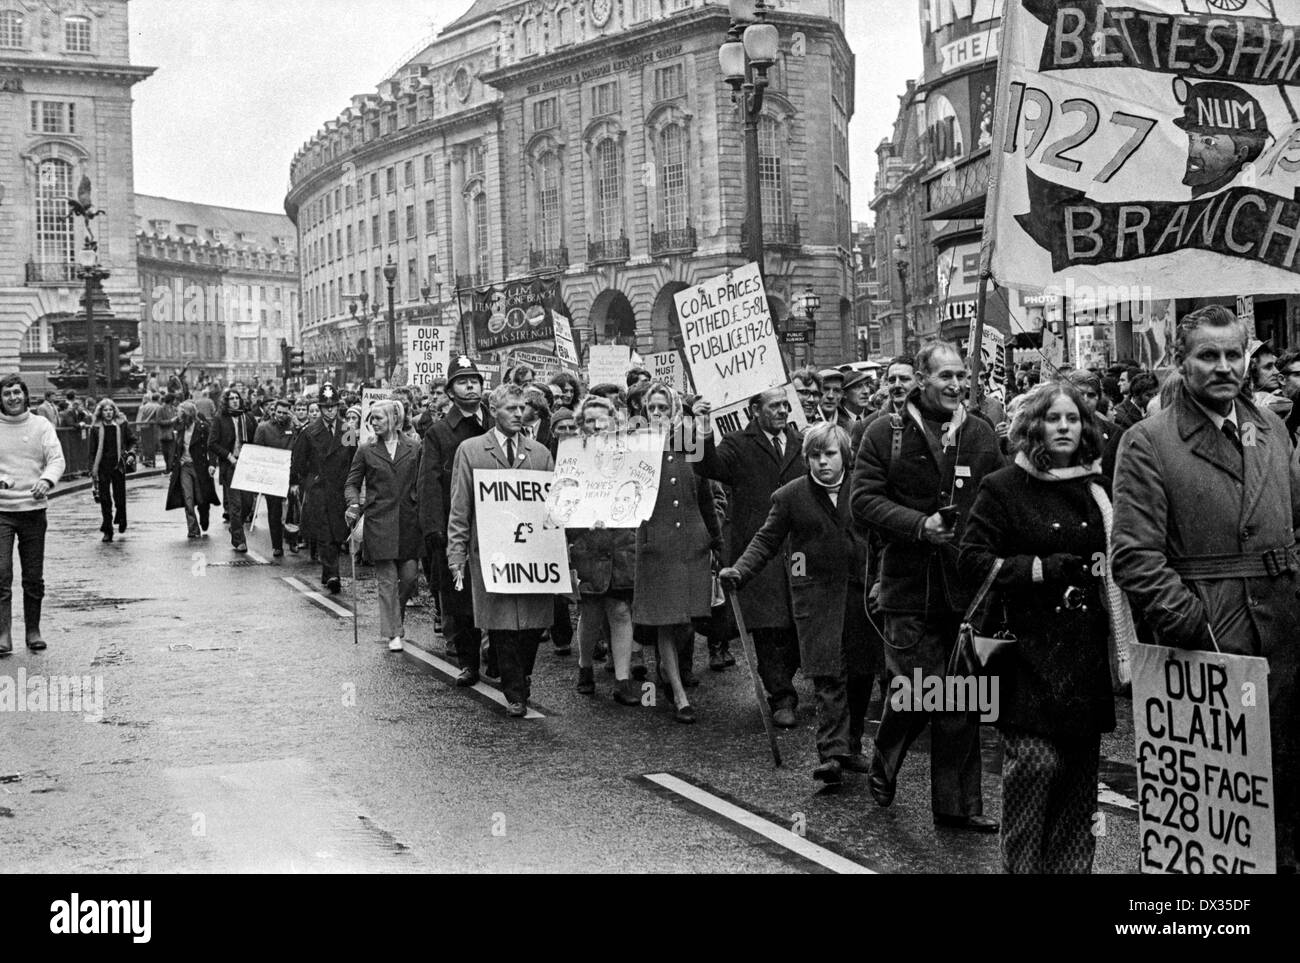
x=1207, y=501
x=233, y=429
x=322, y=456
x=899, y=380
x=914, y=482
x=276, y=432
x=468, y=418
x=1218, y=148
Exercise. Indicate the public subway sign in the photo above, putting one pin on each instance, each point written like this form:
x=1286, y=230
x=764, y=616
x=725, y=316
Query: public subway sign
x=1148, y=143
x=1205, y=763
x=521, y=550
x=728, y=340
x=428, y=352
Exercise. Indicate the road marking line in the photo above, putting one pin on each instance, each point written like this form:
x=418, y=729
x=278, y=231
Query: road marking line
x=450, y=671
x=767, y=829
x=313, y=595
x=256, y=558
x=1109, y=796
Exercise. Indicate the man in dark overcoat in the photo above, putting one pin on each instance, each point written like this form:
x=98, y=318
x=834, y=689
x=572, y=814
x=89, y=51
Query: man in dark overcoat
x=322, y=456
x=900, y=482
x=1207, y=504
x=466, y=419
x=230, y=432
x=754, y=463
x=191, y=486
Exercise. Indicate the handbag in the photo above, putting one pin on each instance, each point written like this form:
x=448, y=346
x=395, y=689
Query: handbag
x=979, y=648
x=128, y=462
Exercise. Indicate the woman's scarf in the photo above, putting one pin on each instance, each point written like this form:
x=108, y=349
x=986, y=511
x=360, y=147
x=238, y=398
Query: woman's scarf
x=1123, y=634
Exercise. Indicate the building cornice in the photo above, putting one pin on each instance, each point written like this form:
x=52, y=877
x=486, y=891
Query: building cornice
x=129, y=74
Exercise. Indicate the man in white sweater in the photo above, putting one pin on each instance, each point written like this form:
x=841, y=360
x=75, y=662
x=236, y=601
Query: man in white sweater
x=31, y=463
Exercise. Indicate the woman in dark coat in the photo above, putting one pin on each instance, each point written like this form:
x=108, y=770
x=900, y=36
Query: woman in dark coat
x=1046, y=518
x=111, y=440
x=674, y=582
x=605, y=562
x=827, y=561
x=192, y=487
x=389, y=466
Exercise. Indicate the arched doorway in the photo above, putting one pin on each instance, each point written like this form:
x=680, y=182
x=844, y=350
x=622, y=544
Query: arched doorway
x=612, y=319
x=664, y=325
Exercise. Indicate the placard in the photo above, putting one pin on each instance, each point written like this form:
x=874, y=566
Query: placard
x=668, y=367
x=521, y=552
x=565, y=349
x=608, y=364
x=729, y=342
x=1205, y=762
x=428, y=352
x=735, y=417
x=610, y=480
x=263, y=470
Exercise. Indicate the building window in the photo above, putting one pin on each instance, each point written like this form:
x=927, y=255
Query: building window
x=412, y=284
x=673, y=202
x=546, y=114
x=670, y=82
x=475, y=159
x=412, y=115
x=410, y=220
x=76, y=34
x=770, y=173
x=392, y=121
x=479, y=222
x=329, y=246
x=349, y=238
x=430, y=216
x=372, y=131
x=529, y=31
x=408, y=173
x=327, y=205
x=392, y=179
x=338, y=199
x=609, y=190
x=604, y=98
x=428, y=167
x=11, y=29
x=640, y=10
x=549, y=219
x=375, y=239
x=563, y=27
x=374, y=184
x=432, y=268
x=32, y=339
x=54, y=117
x=55, y=234
x=392, y=227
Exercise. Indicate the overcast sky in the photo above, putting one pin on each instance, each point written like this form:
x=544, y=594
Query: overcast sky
x=241, y=84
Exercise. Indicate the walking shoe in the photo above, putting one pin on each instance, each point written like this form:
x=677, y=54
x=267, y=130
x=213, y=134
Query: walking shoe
x=881, y=784
x=717, y=661
x=395, y=644
x=783, y=718
x=121, y=526
x=293, y=549
x=828, y=772
x=586, y=679
x=241, y=548
x=108, y=536
x=855, y=762
x=627, y=693
x=278, y=553
x=334, y=585
x=516, y=710
x=36, y=645
x=685, y=714
x=976, y=824
x=466, y=679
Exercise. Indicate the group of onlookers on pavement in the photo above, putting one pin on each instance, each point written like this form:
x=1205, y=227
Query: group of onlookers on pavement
x=1084, y=510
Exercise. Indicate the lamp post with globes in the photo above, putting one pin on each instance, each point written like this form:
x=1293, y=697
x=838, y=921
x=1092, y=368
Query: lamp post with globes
x=901, y=262
x=390, y=276
x=809, y=303
x=745, y=57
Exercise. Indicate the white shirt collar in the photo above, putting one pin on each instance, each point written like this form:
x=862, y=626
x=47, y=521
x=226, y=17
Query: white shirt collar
x=1219, y=419
x=502, y=439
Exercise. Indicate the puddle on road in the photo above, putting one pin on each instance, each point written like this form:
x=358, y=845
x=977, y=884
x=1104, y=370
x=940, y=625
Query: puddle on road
x=6, y=812
x=11, y=778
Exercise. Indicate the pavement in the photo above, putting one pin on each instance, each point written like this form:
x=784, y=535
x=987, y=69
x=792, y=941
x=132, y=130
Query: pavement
x=240, y=729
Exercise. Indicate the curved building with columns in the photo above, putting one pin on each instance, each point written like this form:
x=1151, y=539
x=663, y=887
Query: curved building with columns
x=588, y=141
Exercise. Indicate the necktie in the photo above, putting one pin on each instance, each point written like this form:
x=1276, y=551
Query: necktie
x=1230, y=430
x=778, y=442
x=510, y=452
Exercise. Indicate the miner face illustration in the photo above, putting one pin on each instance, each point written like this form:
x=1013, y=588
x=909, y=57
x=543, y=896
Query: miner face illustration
x=1226, y=130
x=626, y=500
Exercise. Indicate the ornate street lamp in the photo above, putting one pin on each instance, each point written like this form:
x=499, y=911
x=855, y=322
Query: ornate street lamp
x=390, y=275
x=744, y=58
x=901, y=262
x=809, y=303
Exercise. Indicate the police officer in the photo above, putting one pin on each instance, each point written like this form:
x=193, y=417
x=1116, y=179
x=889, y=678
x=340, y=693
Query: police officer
x=322, y=455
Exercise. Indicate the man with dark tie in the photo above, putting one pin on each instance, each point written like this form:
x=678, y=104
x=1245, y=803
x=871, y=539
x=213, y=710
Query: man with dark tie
x=1207, y=501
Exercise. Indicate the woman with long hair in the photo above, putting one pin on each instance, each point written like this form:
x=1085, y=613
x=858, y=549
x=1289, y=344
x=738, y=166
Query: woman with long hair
x=1044, y=522
x=387, y=465
x=111, y=441
x=673, y=563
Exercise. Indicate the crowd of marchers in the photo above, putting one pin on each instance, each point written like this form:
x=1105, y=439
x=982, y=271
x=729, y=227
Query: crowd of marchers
x=1083, y=510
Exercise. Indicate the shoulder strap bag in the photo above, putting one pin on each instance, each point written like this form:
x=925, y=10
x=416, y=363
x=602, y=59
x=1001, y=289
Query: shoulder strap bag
x=976, y=649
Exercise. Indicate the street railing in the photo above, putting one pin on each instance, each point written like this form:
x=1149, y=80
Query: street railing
x=75, y=443
x=51, y=272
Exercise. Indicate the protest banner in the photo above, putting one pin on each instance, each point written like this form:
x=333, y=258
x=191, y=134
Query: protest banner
x=544, y=365
x=730, y=345
x=1205, y=762
x=993, y=351
x=1102, y=176
x=491, y=372
x=608, y=364
x=735, y=417
x=1246, y=314
x=565, y=349
x=609, y=480
x=263, y=470
x=520, y=551
x=428, y=352
x=368, y=398
x=515, y=312
x=668, y=367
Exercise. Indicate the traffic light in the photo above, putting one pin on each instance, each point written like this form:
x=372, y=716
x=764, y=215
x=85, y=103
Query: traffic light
x=284, y=358
x=297, y=367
